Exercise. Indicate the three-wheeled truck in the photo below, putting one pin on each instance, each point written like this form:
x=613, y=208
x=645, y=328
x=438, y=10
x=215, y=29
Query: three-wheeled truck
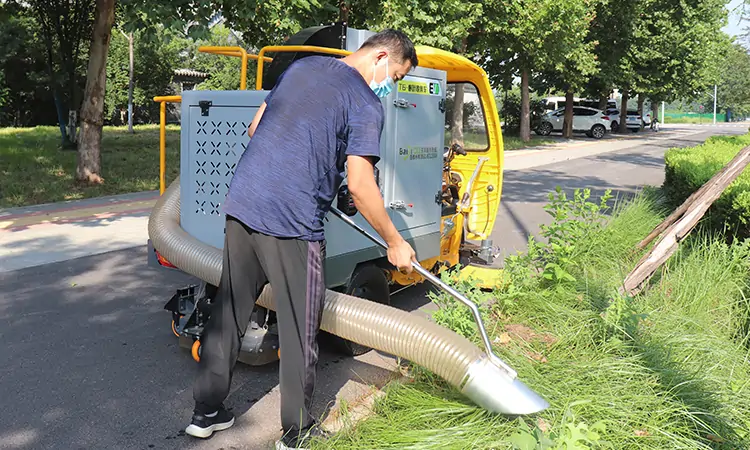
x=440, y=176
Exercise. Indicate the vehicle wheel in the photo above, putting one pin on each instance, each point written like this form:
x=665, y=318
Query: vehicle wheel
x=369, y=282
x=614, y=126
x=598, y=131
x=544, y=129
x=195, y=351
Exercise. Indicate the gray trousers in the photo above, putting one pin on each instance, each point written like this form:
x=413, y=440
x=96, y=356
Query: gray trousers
x=294, y=268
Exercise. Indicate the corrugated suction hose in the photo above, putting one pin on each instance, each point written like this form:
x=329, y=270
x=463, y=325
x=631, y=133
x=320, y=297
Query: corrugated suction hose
x=381, y=327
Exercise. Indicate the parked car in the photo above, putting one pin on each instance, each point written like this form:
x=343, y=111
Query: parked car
x=591, y=121
x=634, y=121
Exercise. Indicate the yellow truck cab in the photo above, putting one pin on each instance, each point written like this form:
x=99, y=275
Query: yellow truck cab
x=440, y=175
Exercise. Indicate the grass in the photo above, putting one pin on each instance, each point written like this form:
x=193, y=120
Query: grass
x=33, y=170
x=515, y=142
x=665, y=370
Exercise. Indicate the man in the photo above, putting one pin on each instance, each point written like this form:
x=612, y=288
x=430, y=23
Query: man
x=322, y=113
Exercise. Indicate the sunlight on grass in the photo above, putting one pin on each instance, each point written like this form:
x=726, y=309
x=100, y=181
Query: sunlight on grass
x=515, y=142
x=34, y=170
x=666, y=370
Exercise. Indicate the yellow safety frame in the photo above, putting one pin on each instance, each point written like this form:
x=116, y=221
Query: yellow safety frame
x=237, y=52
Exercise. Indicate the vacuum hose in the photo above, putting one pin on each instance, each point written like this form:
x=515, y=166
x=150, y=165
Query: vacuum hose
x=381, y=327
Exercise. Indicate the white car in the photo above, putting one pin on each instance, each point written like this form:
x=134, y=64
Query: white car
x=634, y=121
x=591, y=121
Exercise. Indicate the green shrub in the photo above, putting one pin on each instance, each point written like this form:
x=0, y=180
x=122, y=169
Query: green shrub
x=687, y=169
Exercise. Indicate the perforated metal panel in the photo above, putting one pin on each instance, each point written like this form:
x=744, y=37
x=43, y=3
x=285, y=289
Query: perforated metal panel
x=212, y=139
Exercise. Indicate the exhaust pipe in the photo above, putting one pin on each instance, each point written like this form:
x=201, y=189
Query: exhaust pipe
x=381, y=327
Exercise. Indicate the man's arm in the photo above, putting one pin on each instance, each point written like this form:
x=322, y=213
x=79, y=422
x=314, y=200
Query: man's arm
x=366, y=195
x=363, y=152
x=256, y=120
x=369, y=202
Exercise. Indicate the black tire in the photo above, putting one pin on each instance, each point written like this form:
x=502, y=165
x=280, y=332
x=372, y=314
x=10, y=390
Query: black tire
x=614, y=126
x=598, y=131
x=369, y=282
x=544, y=129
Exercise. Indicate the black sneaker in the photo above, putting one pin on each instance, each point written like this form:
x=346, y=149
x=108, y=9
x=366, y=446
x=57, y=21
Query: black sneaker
x=299, y=440
x=203, y=426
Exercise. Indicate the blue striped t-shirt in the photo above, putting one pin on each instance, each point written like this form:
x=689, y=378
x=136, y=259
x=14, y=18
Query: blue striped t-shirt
x=320, y=111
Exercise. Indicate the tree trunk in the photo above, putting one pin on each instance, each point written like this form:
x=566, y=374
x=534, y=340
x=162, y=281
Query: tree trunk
x=525, y=107
x=343, y=11
x=603, y=101
x=641, y=99
x=624, y=111
x=457, y=119
x=682, y=222
x=568, y=122
x=654, y=110
x=130, y=86
x=92, y=110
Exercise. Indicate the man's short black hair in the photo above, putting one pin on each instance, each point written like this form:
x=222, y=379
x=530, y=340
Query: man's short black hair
x=397, y=42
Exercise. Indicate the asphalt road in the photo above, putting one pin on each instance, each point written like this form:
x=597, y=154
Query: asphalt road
x=89, y=361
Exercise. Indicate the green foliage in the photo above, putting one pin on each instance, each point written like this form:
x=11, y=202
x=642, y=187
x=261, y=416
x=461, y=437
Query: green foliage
x=224, y=71
x=734, y=82
x=153, y=62
x=572, y=222
x=25, y=97
x=572, y=436
x=678, y=380
x=511, y=111
x=687, y=169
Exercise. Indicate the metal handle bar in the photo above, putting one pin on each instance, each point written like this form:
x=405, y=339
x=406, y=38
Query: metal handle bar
x=439, y=283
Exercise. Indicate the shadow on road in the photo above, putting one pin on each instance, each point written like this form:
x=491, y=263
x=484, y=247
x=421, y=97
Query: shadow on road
x=89, y=360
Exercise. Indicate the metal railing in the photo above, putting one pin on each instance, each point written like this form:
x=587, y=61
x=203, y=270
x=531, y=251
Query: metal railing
x=237, y=52
x=291, y=48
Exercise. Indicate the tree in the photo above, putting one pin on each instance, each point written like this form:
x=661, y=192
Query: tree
x=676, y=52
x=89, y=154
x=733, y=86
x=65, y=26
x=24, y=93
x=612, y=29
x=538, y=35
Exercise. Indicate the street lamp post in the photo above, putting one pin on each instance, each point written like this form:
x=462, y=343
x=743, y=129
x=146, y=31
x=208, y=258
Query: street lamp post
x=715, y=88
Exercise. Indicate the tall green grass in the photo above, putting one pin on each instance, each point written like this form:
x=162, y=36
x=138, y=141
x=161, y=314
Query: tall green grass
x=666, y=370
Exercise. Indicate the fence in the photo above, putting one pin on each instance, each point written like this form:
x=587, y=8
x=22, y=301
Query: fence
x=676, y=117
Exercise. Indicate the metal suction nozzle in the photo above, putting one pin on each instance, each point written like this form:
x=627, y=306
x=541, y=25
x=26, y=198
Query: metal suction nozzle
x=490, y=382
x=491, y=387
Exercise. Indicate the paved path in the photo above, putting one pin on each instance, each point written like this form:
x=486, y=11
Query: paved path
x=89, y=360
x=43, y=234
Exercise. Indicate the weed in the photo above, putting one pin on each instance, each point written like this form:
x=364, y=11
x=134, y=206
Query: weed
x=669, y=369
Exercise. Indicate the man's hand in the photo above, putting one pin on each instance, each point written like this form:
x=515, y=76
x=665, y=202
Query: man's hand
x=369, y=202
x=402, y=255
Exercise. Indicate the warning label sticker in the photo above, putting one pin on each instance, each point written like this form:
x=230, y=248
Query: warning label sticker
x=419, y=87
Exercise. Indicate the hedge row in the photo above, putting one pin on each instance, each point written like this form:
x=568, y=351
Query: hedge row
x=687, y=169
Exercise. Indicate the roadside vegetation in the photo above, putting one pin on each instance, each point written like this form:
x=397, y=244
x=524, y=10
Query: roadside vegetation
x=35, y=171
x=687, y=169
x=665, y=370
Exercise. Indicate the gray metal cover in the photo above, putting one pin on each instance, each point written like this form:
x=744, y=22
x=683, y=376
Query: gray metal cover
x=210, y=146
